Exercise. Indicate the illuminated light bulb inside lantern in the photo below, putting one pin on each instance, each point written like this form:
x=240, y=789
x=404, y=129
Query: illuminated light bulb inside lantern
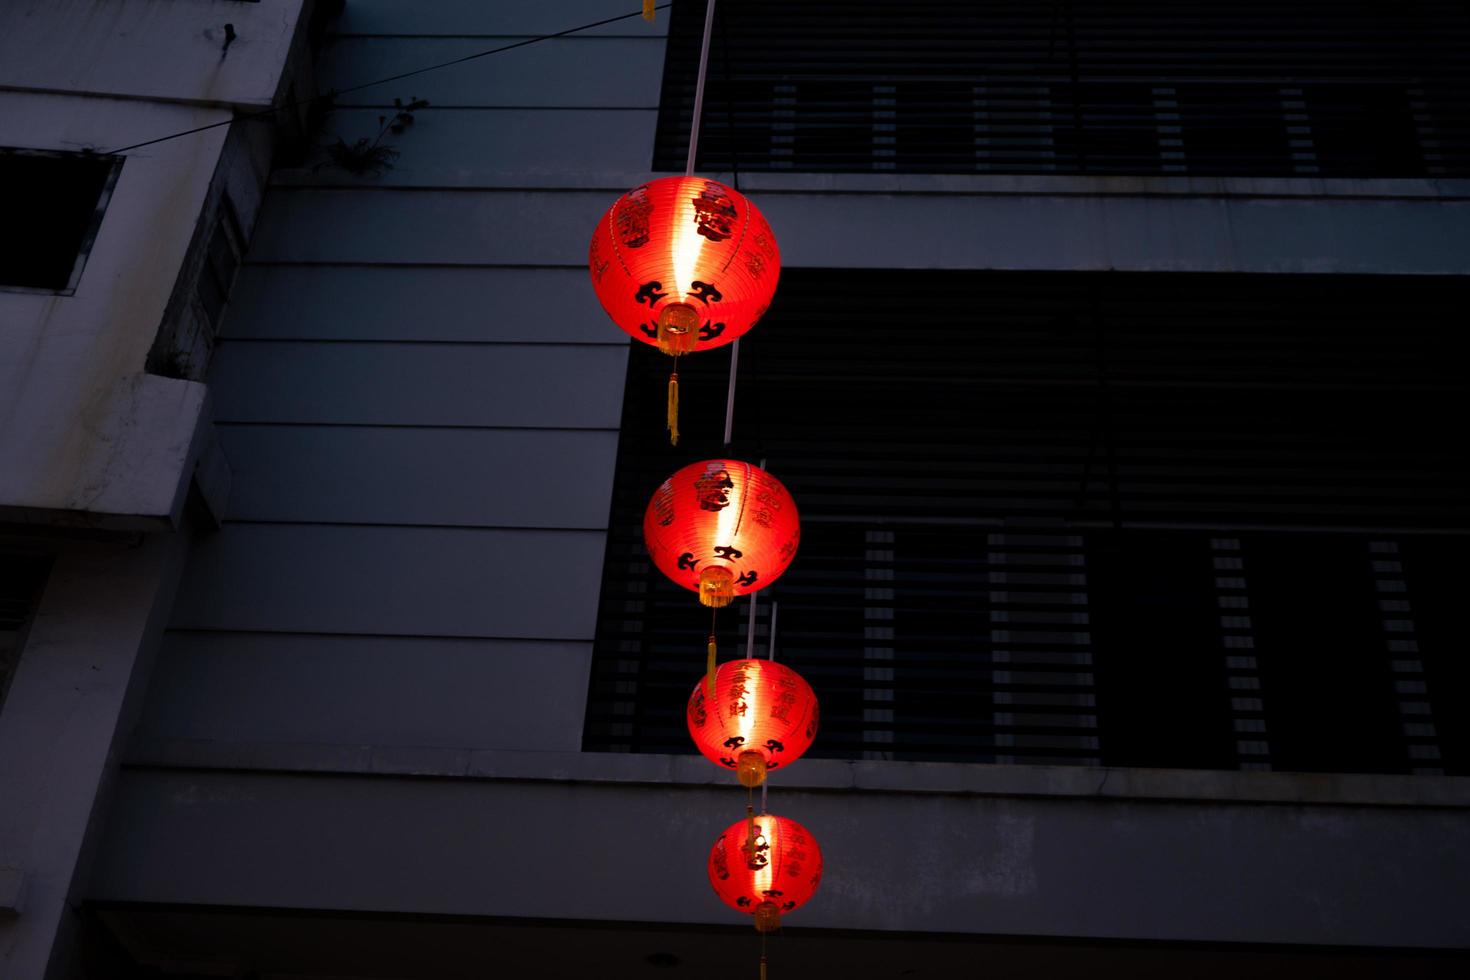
x=716, y=586
x=678, y=329
x=688, y=245
x=750, y=769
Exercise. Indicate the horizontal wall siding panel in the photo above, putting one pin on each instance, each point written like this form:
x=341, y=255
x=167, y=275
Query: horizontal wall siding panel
x=1122, y=233
x=393, y=581
x=428, y=227
x=574, y=71
x=900, y=231
x=542, y=306
x=419, y=384
x=474, y=147
x=475, y=17
x=367, y=691
x=463, y=477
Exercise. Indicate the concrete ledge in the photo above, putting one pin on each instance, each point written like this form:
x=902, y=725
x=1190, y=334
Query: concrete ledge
x=972, y=185
x=1302, y=789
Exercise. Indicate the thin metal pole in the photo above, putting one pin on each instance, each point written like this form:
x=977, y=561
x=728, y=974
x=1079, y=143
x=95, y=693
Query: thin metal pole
x=730, y=392
x=709, y=26
x=771, y=634
x=750, y=629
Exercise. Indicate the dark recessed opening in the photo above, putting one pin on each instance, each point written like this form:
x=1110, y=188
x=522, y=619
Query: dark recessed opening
x=53, y=204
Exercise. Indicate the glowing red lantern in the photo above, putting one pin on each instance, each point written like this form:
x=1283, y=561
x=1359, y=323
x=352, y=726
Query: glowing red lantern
x=765, y=866
x=722, y=528
x=762, y=715
x=684, y=263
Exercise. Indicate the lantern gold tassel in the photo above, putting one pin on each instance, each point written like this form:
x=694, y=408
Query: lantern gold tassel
x=709, y=671
x=648, y=10
x=674, y=409
x=763, y=962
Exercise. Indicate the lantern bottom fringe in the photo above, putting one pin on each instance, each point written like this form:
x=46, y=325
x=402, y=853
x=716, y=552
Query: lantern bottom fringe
x=673, y=413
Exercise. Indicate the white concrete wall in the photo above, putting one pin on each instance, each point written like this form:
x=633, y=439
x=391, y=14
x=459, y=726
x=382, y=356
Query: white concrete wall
x=87, y=438
x=148, y=49
x=103, y=607
x=420, y=398
x=422, y=439
x=83, y=430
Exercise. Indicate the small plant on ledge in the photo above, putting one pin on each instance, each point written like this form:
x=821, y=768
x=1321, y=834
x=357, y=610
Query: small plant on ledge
x=371, y=156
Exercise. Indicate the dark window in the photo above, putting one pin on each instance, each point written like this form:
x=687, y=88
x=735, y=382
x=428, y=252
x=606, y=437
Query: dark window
x=1114, y=518
x=221, y=260
x=1342, y=88
x=21, y=578
x=53, y=204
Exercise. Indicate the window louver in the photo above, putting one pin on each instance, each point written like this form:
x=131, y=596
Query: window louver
x=1324, y=89
x=1076, y=526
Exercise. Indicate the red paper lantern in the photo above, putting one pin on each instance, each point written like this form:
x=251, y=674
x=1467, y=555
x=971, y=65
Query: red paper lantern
x=722, y=528
x=765, y=866
x=684, y=263
x=762, y=715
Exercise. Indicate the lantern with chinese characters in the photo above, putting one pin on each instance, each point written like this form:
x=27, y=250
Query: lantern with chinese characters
x=763, y=715
x=722, y=528
x=765, y=866
x=684, y=264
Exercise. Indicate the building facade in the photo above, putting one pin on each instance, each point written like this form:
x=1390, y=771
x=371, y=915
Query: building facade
x=1112, y=369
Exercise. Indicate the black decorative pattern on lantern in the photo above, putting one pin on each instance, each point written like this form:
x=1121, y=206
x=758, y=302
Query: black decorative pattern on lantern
x=721, y=863
x=773, y=745
x=697, y=711
x=631, y=218
x=714, y=213
x=747, y=579
x=712, y=487
x=649, y=330
x=734, y=742
x=651, y=293
x=709, y=331
x=705, y=292
x=757, y=853
x=688, y=561
x=727, y=763
x=728, y=552
x=742, y=901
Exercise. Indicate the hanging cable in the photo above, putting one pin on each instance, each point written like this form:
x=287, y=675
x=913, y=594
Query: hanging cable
x=709, y=24
x=699, y=84
x=334, y=93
